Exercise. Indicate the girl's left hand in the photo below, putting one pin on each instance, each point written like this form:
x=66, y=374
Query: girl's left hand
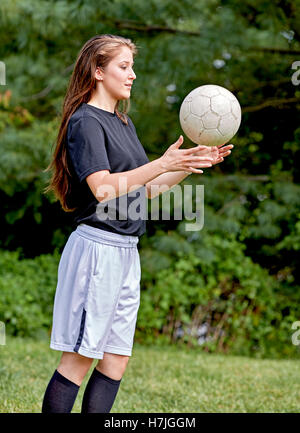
x=218, y=153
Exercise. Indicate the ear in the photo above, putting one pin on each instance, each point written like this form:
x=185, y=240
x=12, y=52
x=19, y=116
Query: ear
x=98, y=74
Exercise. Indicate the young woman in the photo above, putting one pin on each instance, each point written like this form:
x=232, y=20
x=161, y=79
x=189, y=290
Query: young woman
x=99, y=161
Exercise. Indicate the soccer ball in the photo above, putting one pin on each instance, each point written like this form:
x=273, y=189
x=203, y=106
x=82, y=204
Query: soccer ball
x=210, y=115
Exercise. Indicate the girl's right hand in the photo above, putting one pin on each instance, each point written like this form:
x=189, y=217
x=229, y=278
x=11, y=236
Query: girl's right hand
x=175, y=159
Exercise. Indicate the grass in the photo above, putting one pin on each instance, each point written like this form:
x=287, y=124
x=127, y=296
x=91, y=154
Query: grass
x=158, y=379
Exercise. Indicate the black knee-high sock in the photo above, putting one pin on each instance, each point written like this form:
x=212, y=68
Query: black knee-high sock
x=60, y=395
x=100, y=393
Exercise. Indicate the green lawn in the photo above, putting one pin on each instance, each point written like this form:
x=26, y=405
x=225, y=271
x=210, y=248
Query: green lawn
x=158, y=379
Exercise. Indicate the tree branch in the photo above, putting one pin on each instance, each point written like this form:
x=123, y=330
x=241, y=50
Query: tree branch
x=270, y=103
x=135, y=25
x=47, y=89
x=276, y=50
x=273, y=83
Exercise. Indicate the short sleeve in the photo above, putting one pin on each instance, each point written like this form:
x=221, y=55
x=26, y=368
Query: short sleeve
x=143, y=158
x=86, y=147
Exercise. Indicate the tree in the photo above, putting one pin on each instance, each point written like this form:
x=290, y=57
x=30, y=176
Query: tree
x=247, y=47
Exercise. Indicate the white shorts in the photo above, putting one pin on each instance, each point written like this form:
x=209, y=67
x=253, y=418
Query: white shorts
x=98, y=293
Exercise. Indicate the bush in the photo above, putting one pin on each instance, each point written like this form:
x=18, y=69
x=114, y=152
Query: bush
x=27, y=292
x=214, y=297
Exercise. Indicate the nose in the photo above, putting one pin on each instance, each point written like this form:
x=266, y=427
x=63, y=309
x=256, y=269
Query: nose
x=132, y=75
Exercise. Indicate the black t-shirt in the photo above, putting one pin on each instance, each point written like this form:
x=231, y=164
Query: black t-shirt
x=98, y=140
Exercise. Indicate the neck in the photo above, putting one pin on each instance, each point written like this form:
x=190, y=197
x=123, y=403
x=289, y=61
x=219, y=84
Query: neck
x=103, y=101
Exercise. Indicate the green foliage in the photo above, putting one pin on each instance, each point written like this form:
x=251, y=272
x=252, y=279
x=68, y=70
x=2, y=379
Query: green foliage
x=252, y=205
x=27, y=293
x=178, y=44
x=292, y=240
x=219, y=288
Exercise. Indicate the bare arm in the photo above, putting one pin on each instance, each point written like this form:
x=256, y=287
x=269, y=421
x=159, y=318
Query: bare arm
x=107, y=186
x=164, y=182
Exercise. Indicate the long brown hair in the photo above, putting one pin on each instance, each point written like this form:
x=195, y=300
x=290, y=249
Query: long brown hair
x=96, y=52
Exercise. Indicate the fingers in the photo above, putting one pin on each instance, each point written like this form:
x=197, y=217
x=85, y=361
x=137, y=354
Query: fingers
x=193, y=170
x=207, y=151
x=225, y=151
x=218, y=161
x=193, y=159
x=222, y=154
x=228, y=146
x=199, y=162
x=192, y=149
x=198, y=165
x=178, y=143
x=201, y=147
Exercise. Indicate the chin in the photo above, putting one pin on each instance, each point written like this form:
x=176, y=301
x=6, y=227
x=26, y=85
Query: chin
x=124, y=97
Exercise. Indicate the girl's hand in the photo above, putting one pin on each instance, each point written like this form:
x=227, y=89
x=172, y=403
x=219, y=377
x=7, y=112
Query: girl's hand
x=218, y=153
x=175, y=159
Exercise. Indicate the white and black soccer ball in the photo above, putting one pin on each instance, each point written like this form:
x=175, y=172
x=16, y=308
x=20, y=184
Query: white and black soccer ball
x=210, y=115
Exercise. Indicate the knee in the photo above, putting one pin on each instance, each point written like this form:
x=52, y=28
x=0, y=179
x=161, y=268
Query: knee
x=113, y=365
x=74, y=366
x=123, y=363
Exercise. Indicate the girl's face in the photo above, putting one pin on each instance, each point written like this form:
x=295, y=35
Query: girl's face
x=118, y=76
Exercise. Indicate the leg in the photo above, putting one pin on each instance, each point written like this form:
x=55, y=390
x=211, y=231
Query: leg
x=74, y=366
x=113, y=365
x=103, y=385
x=63, y=387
